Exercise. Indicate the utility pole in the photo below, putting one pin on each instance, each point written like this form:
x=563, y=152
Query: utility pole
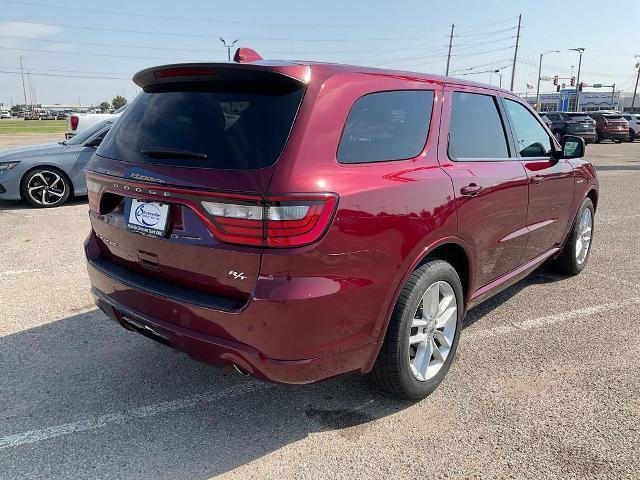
x=24, y=90
x=613, y=93
x=635, y=90
x=228, y=46
x=446, y=74
x=580, y=50
x=30, y=91
x=515, y=53
x=540, y=77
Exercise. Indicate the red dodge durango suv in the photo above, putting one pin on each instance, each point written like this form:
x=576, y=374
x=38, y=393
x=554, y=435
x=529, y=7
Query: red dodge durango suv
x=298, y=221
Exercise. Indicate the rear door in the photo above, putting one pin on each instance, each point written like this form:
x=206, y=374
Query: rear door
x=490, y=184
x=176, y=187
x=551, y=182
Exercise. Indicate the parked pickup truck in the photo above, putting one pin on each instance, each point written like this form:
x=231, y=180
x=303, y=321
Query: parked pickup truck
x=78, y=122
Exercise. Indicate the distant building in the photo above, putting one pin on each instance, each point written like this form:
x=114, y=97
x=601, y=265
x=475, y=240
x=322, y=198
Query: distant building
x=65, y=108
x=565, y=101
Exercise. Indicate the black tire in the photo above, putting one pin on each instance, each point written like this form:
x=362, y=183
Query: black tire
x=567, y=263
x=54, y=182
x=632, y=136
x=596, y=139
x=558, y=135
x=392, y=370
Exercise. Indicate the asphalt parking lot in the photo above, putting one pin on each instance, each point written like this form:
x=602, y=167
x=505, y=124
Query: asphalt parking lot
x=546, y=382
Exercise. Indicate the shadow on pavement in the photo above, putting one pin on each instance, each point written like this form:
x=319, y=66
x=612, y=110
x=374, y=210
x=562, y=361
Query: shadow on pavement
x=22, y=205
x=85, y=369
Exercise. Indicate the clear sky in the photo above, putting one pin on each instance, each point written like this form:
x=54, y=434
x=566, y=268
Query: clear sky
x=63, y=43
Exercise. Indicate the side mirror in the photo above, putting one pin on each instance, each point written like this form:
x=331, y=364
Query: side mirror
x=572, y=147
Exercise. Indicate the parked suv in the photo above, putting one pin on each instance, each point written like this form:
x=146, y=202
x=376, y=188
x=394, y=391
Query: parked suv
x=299, y=221
x=570, y=123
x=612, y=126
x=634, y=125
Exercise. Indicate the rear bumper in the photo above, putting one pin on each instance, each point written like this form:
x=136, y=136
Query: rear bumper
x=279, y=335
x=222, y=352
x=616, y=135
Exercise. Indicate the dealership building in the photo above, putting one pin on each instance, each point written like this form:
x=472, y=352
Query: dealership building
x=565, y=101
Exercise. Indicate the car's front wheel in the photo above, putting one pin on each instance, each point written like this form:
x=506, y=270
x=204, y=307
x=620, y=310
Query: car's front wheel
x=576, y=250
x=423, y=332
x=45, y=187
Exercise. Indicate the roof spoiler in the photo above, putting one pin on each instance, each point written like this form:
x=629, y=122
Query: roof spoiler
x=255, y=72
x=246, y=55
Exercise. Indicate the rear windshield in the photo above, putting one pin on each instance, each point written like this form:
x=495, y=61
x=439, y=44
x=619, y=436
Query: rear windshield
x=580, y=117
x=613, y=117
x=219, y=126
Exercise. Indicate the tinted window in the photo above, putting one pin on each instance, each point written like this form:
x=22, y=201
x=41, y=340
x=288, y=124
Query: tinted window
x=386, y=126
x=205, y=125
x=579, y=117
x=531, y=138
x=89, y=133
x=476, y=128
x=554, y=117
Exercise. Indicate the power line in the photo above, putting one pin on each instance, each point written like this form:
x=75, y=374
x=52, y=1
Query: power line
x=209, y=36
x=202, y=20
x=68, y=76
x=481, y=65
x=89, y=54
x=70, y=71
x=289, y=52
x=109, y=44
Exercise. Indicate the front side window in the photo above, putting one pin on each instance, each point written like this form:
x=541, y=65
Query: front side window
x=476, y=130
x=386, y=126
x=531, y=138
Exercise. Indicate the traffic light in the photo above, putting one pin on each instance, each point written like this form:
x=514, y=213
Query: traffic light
x=580, y=86
x=557, y=88
x=573, y=81
x=555, y=80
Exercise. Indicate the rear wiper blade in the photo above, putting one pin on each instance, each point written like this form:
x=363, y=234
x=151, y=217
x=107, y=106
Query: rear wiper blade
x=172, y=152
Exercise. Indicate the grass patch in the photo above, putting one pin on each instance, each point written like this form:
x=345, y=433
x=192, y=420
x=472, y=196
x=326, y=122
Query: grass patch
x=19, y=126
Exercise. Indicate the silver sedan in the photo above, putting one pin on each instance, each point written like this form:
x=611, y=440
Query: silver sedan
x=47, y=175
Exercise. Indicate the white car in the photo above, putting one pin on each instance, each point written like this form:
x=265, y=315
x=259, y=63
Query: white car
x=5, y=114
x=634, y=125
x=79, y=122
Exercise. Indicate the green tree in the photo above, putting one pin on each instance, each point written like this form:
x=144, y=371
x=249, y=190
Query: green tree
x=104, y=106
x=118, y=101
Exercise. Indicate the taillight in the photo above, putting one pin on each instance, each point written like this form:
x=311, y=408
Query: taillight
x=74, y=122
x=183, y=72
x=287, y=221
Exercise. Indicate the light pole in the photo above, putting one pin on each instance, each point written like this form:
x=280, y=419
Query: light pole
x=229, y=47
x=539, y=75
x=580, y=50
x=635, y=90
x=498, y=72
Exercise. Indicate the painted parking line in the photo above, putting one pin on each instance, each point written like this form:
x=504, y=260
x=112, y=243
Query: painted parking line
x=39, y=435
x=57, y=268
x=547, y=320
x=42, y=434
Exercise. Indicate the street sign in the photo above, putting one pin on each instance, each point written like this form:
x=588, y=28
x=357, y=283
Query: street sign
x=597, y=85
x=545, y=78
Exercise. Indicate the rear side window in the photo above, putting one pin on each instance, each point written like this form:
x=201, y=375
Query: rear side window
x=227, y=126
x=476, y=129
x=531, y=138
x=386, y=126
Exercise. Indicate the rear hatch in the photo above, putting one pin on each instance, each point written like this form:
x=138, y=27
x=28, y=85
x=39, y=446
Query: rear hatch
x=176, y=190
x=581, y=122
x=615, y=123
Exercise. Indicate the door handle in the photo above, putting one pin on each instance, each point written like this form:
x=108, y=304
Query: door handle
x=470, y=190
x=537, y=179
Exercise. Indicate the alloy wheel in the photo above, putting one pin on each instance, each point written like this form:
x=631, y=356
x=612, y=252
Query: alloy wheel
x=46, y=188
x=583, y=242
x=433, y=330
